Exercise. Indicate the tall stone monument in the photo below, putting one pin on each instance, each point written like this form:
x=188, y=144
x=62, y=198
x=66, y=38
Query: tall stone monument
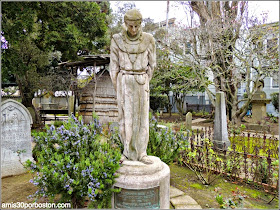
x=220, y=122
x=144, y=180
x=16, y=124
x=259, y=102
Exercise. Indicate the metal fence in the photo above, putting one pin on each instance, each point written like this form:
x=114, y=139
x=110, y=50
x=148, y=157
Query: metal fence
x=251, y=158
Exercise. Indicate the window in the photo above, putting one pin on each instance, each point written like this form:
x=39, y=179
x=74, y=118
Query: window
x=275, y=82
x=188, y=47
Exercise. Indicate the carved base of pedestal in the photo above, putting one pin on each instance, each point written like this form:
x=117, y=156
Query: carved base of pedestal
x=258, y=128
x=142, y=186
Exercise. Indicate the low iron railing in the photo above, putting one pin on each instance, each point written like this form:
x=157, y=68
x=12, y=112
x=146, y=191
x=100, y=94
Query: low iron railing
x=251, y=158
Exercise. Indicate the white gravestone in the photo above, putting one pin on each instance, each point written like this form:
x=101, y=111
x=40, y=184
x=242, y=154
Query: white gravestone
x=16, y=124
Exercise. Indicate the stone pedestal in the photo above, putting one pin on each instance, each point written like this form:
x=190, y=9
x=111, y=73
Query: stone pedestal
x=142, y=186
x=259, y=102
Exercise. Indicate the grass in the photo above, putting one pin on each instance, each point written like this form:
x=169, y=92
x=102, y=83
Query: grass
x=197, y=186
x=255, y=142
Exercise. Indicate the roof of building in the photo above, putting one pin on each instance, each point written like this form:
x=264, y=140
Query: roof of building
x=89, y=60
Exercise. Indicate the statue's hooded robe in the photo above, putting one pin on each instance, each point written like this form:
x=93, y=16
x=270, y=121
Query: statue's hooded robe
x=132, y=63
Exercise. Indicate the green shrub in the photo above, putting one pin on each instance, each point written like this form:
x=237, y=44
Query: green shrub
x=272, y=118
x=73, y=163
x=275, y=100
x=158, y=101
x=233, y=163
x=165, y=143
x=115, y=139
x=57, y=123
x=203, y=161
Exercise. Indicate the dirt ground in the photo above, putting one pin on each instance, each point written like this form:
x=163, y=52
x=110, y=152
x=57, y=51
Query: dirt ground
x=17, y=188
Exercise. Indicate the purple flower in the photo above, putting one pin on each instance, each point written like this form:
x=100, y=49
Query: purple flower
x=52, y=128
x=4, y=42
x=77, y=142
x=97, y=185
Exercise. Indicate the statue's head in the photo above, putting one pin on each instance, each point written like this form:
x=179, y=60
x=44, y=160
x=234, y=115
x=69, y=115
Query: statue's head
x=133, y=20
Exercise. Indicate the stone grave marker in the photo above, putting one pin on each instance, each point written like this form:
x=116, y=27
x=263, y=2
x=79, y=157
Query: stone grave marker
x=16, y=124
x=189, y=121
x=220, y=122
x=259, y=102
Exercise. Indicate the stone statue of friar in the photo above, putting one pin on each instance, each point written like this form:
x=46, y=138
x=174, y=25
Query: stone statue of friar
x=132, y=62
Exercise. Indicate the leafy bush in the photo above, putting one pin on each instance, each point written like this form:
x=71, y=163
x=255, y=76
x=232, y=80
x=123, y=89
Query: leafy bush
x=262, y=169
x=203, y=161
x=233, y=163
x=272, y=118
x=73, y=163
x=235, y=129
x=115, y=139
x=57, y=123
x=165, y=143
x=275, y=100
x=158, y=101
x=200, y=113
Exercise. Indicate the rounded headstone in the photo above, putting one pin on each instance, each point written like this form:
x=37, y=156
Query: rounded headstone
x=16, y=124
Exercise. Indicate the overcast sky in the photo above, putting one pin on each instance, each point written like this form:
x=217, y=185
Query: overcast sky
x=157, y=10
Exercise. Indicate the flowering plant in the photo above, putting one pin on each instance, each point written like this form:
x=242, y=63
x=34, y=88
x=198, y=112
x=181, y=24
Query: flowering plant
x=165, y=143
x=73, y=163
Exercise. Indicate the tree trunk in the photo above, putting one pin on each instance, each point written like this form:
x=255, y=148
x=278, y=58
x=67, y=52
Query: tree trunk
x=26, y=99
x=77, y=202
x=180, y=105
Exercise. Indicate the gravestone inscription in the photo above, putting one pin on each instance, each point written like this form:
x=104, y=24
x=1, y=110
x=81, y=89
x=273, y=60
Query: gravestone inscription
x=16, y=124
